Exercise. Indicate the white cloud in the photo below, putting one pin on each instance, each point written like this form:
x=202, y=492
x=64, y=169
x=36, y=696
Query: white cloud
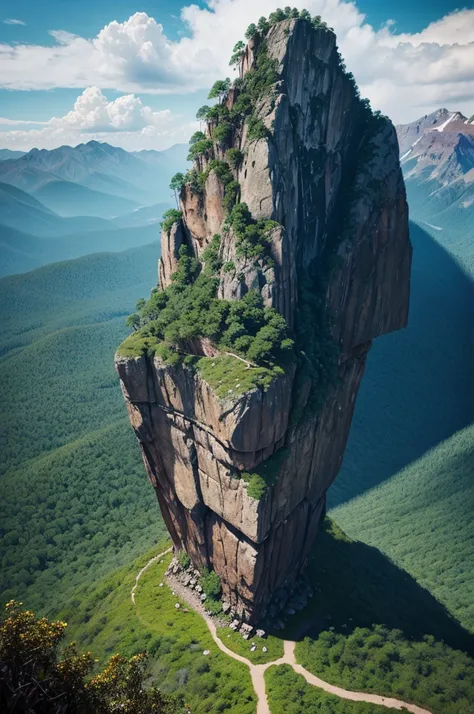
x=125, y=122
x=5, y=121
x=92, y=112
x=12, y=21
x=404, y=75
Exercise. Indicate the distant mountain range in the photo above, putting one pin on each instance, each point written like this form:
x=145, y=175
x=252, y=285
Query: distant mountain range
x=9, y=154
x=437, y=156
x=94, y=179
x=68, y=202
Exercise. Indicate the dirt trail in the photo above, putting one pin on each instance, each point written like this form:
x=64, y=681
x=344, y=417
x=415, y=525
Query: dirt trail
x=145, y=567
x=257, y=671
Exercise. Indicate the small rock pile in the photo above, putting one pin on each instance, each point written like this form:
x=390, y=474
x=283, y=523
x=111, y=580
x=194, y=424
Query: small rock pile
x=189, y=577
x=288, y=600
x=245, y=630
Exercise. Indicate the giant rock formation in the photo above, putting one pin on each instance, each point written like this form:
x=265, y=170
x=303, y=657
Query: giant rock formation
x=330, y=177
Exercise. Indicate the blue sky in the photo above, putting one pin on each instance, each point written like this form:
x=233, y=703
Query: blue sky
x=139, y=86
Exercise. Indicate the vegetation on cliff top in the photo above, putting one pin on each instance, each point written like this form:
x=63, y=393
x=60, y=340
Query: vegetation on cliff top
x=189, y=309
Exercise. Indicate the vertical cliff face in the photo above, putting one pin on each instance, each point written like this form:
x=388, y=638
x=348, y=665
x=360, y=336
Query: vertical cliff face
x=241, y=466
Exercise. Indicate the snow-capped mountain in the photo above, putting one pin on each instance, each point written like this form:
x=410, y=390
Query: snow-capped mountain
x=437, y=157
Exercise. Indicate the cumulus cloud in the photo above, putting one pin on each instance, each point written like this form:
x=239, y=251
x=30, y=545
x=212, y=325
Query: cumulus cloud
x=403, y=74
x=93, y=113
x=12, y=21
x=124, y=121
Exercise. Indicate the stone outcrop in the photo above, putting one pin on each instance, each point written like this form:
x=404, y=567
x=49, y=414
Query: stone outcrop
x=335, y=188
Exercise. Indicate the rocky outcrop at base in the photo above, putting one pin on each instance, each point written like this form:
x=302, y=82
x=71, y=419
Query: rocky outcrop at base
x=241, y=475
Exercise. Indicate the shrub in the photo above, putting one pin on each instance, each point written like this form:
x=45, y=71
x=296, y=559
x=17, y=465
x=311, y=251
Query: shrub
x=213, y=606
x=203, y=147
x=237, y=53
x=37, y=677
x=252, y=236
x=211, y=584
x=133, y=321
x=197, y=136
x=222, y=132
x=251, y=31
x=169, y=217
x=256, y=129
x=202, y=112
x=184, y=560
x=231, y=194
x=235, y=157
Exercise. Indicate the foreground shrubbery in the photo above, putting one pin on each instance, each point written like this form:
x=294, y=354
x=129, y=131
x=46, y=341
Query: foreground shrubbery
x=102, y=618
x=36, y=677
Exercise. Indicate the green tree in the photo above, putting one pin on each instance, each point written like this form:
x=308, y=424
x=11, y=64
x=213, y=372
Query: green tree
x=133, y=321
x=237, y=53
x=169, y=217
x=222, y=133
x=219, y=89
x=211, y=584
x=176, y=184
x=200, y=148
x=235, y=157
x=36, y=677
x=263, y=25
x=251, y=31
x=196, y=137
x=277, y=16
x=202, y=112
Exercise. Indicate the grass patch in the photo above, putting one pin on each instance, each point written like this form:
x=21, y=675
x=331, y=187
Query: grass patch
x=265, y=476
x=289, y=693
x=229, y=377
x=103, y=619
x=237, y=644
x=137, y=345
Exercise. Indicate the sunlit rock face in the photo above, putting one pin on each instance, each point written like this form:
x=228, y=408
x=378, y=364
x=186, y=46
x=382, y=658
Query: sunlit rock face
x=331, y=186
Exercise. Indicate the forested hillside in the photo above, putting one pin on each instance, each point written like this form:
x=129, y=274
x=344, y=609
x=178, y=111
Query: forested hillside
x=422, y=519
x=74, y=500
x=416, y=390
x=416, y=395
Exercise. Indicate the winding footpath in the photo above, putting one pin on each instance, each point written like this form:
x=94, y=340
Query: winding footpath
x=257, y=671
x=155, y=559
